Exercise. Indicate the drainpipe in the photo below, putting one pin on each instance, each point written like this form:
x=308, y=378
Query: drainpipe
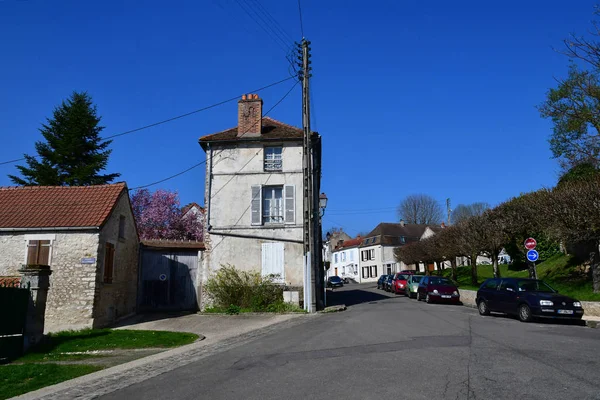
x=210, y=165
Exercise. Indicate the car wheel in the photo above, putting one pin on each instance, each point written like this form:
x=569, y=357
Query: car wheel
x=428, y=299
x=524, y=313
x=483, y=308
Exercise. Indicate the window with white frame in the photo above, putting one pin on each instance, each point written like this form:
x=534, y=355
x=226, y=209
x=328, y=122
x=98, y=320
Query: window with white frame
x=367, y=255
x=335, y=258
x=343, y=256
x=273, y=158
x=273, y=205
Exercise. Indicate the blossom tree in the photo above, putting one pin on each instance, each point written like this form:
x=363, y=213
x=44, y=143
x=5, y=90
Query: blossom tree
x=159, y=215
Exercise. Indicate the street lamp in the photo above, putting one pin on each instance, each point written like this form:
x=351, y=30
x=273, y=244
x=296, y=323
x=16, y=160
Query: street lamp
x=322, y=203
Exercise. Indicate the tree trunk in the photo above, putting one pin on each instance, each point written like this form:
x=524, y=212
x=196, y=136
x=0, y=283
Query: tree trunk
x=453, y=265
x=474, y=269
x=495, y=265
x=595, y=267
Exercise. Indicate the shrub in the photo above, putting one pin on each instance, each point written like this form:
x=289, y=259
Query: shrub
x=231, y=287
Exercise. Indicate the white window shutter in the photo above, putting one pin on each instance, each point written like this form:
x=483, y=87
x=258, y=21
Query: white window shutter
x=273, y=262
x=290, y=204
x=256, y=205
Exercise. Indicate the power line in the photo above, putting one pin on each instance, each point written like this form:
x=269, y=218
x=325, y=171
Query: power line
x=264, y=25
x=203, y=162
x=176, y=117
x=301, y=24
x=170, y=177
x=274, y=21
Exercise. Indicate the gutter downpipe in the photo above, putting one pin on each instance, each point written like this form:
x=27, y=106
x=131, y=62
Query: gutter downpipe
x=210, y=165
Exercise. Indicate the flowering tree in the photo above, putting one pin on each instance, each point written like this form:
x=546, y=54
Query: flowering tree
x=158, y=215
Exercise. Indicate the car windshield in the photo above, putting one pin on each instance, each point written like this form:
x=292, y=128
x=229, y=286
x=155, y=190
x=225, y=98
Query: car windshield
x=440, y=281
x=401, y=277
x=534, y=286
x=335, y=279
x=416, y=278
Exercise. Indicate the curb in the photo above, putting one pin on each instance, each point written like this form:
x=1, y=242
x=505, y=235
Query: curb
x=111, y=379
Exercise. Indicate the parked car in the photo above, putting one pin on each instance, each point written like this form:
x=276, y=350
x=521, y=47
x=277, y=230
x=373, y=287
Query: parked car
x=334, y=281
x=435, y=288
x=399, y=283
x=412, y=284
x=380, y=281
x=387, y=284
x=525, y=298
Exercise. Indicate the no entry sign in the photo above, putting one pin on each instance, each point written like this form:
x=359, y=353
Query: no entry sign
x=530, y=243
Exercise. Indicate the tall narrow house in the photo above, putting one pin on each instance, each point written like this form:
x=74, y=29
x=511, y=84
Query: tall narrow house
x=254, y=196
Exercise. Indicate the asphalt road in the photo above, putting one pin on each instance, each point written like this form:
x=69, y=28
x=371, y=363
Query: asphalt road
x=387, y=346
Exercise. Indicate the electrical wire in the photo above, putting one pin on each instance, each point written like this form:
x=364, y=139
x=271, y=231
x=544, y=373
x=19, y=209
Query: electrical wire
x=203, y=162
x=301, y=23
x=176, y=117
x=276, y=38
x=276, y=24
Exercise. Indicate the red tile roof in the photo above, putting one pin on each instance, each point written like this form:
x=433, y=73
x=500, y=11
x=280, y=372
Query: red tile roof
x=271, y=129
x=57, y=206
x=350, y=243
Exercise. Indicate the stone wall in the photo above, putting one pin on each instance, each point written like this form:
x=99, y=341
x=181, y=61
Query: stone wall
x=71, y=293
x=117, y=299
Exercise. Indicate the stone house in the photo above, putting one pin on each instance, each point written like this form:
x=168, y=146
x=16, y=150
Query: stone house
x=88, y=237
x=253, y=196
x=377, y=248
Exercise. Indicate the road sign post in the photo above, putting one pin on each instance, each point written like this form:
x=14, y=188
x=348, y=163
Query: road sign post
x=532, y=256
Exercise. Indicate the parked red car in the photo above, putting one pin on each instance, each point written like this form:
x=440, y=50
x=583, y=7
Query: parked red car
x=434, y=288
x=399, y=283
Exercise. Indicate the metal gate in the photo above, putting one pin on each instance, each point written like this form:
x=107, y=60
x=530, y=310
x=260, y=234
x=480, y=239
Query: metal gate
x=14, y=301
x=168, y=280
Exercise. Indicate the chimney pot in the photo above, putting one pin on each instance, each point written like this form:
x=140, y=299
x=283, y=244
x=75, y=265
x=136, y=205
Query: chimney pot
x=243, y=97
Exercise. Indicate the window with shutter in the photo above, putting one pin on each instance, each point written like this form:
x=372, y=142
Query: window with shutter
x=38, y=252
x=273, y=261
x=256, y=211
x=290, y=204
x=109, y=259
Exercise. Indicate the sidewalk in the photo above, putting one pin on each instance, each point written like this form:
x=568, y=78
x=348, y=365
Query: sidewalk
x=220, y=333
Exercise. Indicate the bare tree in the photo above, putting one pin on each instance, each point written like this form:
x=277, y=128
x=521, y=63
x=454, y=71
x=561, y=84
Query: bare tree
x=420, y=209
x=463, y=212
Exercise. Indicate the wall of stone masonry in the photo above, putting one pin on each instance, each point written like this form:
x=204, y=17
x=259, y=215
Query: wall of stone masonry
x=118, y=299
x=72, y=283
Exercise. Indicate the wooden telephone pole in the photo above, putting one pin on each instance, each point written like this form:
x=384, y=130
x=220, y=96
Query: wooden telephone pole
x=310, y=208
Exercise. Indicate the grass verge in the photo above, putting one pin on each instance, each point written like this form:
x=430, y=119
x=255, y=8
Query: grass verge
x=562, y=272
x=57, y=344
x=19, y=379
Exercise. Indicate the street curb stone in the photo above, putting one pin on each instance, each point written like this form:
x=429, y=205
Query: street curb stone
x=121, y=376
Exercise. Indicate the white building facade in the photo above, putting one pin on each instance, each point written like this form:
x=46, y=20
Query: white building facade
x=253, y=197
x=345, y=261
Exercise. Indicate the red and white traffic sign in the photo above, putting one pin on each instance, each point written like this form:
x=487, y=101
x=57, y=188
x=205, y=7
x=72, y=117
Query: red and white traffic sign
x=530, y=243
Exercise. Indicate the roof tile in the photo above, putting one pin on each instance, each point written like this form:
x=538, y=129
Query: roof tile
x=57, y=206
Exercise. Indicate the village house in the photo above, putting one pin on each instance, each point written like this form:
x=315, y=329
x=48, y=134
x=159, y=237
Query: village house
x=345, y=260
x=253, y=196
x=87, y=236
x=377, y=248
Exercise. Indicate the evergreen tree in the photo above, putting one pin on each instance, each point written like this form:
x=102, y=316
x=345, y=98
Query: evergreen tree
x=73, y=153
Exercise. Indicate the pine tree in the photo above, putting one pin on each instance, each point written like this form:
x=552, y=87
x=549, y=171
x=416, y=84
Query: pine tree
x=73, y=153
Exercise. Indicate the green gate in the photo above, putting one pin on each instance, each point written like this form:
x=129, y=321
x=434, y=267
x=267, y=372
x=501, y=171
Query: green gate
x=14, y=301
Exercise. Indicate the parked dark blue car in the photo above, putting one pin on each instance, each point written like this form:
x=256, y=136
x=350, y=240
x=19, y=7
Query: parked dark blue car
x=380, y=281
x=525, y=298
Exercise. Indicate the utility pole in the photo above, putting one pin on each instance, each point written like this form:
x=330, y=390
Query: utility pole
x=310, y=302
x=448, y=209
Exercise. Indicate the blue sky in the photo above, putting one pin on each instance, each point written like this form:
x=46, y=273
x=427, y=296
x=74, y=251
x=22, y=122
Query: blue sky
x=430, y=97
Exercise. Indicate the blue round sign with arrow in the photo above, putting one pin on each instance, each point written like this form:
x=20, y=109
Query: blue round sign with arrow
x=533, y=255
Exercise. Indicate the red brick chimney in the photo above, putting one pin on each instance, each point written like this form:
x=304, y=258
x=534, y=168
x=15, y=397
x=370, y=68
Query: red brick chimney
x=249, y=116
